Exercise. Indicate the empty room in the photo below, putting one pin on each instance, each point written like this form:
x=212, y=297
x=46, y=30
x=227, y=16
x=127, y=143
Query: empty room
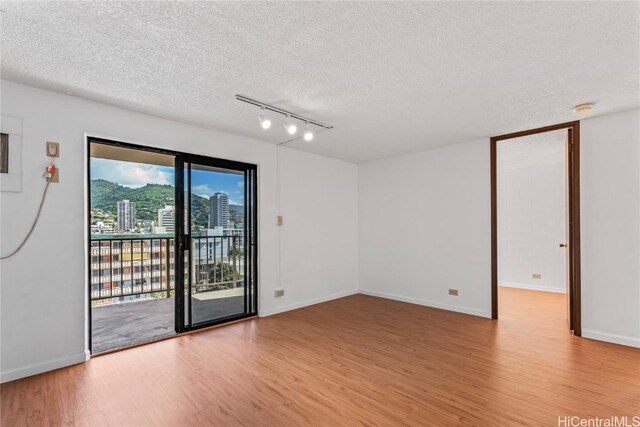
x=319, y=213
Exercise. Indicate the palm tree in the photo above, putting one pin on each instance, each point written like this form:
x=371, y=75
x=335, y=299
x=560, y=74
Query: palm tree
x=234, y=253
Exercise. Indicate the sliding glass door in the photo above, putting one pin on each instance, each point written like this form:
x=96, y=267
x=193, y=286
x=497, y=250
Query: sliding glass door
x=219, y=241
x=173, y=240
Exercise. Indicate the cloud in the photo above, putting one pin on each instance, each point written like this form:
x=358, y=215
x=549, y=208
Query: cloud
x=130, y=174
x=203, y=190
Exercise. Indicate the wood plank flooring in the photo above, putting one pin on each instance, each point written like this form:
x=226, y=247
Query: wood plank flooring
x=358, y=360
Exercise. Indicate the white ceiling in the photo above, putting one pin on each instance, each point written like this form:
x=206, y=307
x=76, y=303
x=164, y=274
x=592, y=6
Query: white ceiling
x=393, y=78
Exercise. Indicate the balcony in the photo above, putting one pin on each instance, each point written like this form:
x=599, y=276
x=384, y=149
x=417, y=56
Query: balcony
x=132, y=286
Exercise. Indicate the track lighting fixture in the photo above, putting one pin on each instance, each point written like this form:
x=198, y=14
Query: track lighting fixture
x=265, y=122
x=290, y=125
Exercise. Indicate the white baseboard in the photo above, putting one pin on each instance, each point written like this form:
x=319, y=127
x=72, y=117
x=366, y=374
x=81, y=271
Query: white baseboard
x=532, y=287
x=28, y=371
x=270, y=312
x=456, y=308
x=612, y=338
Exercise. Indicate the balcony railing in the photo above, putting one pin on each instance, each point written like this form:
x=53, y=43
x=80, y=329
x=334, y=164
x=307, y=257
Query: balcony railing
x=124, y=268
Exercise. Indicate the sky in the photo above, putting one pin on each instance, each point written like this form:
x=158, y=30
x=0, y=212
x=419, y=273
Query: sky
x=135, y=175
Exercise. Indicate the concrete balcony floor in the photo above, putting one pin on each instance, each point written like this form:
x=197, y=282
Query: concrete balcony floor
x=131, y=323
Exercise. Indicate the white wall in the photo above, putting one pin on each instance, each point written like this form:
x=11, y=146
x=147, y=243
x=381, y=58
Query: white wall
x=610, y=209
x=320, y=232
x=424, y=228
x=531, y=213
x=43, y=300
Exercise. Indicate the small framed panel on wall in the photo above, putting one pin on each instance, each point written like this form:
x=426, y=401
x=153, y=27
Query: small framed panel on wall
x=11, y=154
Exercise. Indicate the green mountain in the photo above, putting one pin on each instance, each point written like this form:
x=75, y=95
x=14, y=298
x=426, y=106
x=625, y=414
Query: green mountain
x=105, y=196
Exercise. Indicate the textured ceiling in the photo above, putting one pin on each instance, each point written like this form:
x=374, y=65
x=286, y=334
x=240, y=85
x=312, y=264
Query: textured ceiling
x=532, y=150
x=393, y=78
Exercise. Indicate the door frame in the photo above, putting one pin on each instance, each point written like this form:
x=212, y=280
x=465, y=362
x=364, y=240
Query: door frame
x=180, y=158
x=573, y=165
x=183, y=238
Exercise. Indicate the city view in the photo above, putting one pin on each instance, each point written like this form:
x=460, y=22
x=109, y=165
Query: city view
x=133, y=198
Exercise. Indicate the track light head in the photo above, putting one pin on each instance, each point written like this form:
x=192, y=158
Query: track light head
x=308, y=135
x=265, y=122
x=290, y=126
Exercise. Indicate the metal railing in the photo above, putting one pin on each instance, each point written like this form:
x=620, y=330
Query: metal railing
x=124, y=268
x=217, y=262
x=130, y=266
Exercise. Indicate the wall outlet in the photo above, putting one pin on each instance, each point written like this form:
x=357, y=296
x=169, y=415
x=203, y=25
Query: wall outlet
x=279, y=292
x=279, y=220
x=53, y=149
x=453, y=292
x=536, y=276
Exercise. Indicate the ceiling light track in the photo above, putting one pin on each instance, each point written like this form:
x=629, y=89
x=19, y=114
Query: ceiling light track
x=286, y=113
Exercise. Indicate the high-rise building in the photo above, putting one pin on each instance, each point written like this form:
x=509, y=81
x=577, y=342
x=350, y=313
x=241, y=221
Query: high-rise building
x=126, y=215
x=167, y=218
x=219, y=210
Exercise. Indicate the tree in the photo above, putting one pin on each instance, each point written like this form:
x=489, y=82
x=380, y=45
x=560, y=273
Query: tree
x=235, y=253
x=221, y=272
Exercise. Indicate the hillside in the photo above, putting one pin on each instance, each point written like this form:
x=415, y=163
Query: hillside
x=105, y=196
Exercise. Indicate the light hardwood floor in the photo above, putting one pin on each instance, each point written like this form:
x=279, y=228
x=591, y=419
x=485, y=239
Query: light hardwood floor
x=358, y=360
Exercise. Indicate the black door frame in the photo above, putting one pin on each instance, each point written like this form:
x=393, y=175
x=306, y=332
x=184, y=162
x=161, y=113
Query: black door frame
x=573, y=164
x=251, y=238
x=183, y=238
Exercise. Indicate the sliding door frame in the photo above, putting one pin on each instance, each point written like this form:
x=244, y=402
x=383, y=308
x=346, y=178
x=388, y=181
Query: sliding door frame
x=573, y=165
x=183, y=233
x=180, y=159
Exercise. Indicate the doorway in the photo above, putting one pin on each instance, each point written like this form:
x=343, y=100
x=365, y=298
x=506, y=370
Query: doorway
x=219, y=241
x=172, y=243
x=558, y=237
